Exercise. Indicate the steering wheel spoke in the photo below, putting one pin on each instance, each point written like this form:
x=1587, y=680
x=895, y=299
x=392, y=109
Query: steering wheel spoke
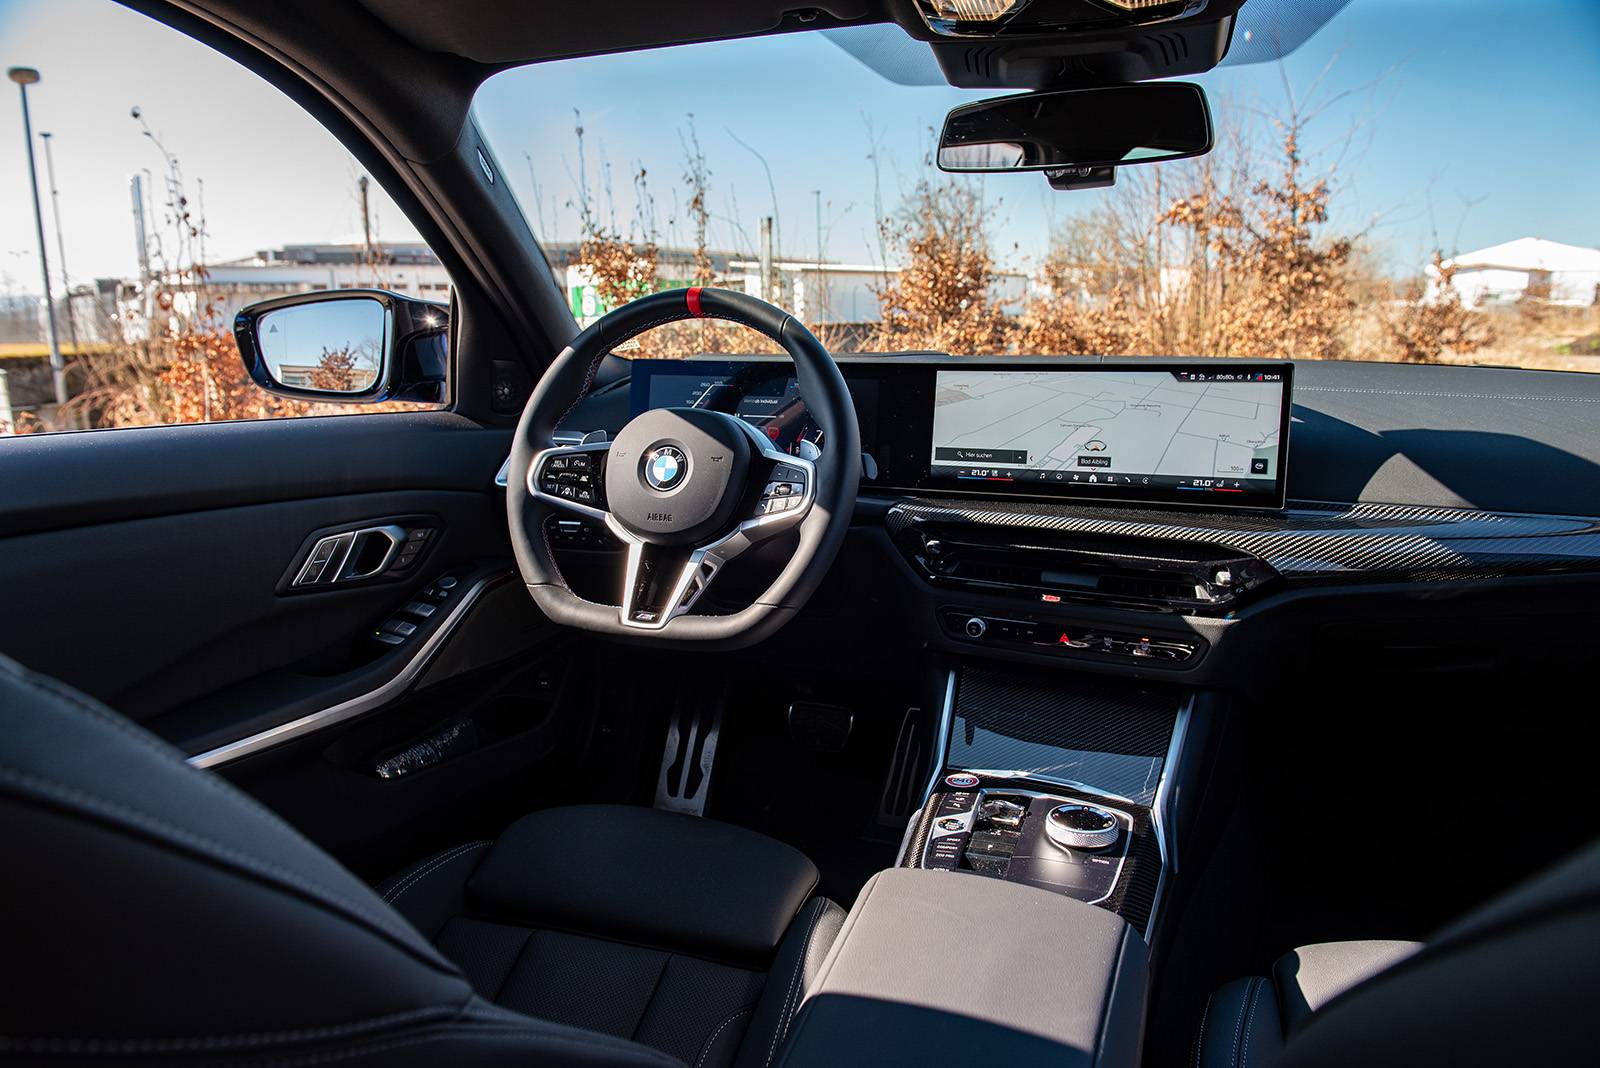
x=661, y=582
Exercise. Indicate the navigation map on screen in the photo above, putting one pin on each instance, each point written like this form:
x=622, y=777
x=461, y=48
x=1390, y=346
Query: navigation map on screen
x=1196, y=430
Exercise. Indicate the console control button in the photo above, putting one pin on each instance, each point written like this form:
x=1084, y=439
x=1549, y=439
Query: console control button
x=1082, y=827
x=1058, y=638
x=945, y=852
x=955, y=803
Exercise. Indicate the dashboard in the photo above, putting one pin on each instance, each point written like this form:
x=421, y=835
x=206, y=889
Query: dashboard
x=1444, y=506
x=1174, y=432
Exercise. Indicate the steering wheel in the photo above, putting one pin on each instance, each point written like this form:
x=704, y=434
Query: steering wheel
x=685, y=489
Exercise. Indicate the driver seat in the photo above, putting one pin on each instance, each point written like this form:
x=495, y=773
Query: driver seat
x=160, y=916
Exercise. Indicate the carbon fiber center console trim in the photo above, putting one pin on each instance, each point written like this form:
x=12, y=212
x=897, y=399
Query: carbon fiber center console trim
x=1111, y=737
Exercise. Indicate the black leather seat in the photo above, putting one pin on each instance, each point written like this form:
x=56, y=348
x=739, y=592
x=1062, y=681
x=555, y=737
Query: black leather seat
x=1513, y=983
x=157, y=915
x=681, y=933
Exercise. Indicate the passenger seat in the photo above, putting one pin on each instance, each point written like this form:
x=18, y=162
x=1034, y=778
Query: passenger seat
x=1513, y=983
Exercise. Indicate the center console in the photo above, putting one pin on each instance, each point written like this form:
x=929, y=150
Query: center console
x=1016, y=927
x=1055, y=781
x=1072, y=845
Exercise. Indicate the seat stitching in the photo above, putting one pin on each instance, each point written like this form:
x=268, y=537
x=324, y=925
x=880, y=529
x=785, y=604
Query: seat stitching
x=1233, y=1054
x=258, y=1038
x=1250, y=1015
x=423, y=866
x=705, y=1050
x=794, y=981
x=427, y=866
x=400, y=1042
x=60, y=792
x=1200, y=1039
x=51, y=688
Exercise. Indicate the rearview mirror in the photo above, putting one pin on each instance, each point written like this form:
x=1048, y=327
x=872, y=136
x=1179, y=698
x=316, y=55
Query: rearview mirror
x=1112, y=126
x=350, y=345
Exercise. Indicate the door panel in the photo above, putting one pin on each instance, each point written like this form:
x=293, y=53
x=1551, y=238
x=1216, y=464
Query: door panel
x=150, y=576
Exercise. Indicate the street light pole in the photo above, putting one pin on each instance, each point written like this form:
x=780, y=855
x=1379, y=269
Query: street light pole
x=61, y=242
x=24, y=77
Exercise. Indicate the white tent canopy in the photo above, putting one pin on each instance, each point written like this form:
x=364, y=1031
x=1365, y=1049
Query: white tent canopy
x=1528, y=266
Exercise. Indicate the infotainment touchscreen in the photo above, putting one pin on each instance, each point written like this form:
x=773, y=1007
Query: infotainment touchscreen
x=1182, y=433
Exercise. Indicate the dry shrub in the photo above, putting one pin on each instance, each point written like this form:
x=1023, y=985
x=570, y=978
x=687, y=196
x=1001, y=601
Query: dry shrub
x=622, y=270
x=942, y=297
x=1202, y=260
x=1422, y=327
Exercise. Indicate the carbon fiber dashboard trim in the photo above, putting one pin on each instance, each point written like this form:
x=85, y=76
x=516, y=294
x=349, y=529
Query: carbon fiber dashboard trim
x=1313, y=541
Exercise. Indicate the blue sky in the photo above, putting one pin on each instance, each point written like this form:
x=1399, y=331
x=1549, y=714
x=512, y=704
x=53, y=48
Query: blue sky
x=1475, y=120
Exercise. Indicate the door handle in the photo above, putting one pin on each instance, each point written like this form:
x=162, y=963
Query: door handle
x=352, y=555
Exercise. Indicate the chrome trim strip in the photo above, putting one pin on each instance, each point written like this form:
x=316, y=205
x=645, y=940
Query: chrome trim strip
x=1160, y=818
x=943, y=740
x=355, y=706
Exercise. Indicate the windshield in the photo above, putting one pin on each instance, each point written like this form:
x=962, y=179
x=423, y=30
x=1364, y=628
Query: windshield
x=1409, y=184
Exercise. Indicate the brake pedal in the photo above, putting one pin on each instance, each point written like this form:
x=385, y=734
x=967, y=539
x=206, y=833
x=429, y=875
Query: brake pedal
x=825, y=728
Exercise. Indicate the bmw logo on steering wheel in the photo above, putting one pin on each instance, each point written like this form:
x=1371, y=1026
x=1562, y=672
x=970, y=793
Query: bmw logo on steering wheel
x=666, y=467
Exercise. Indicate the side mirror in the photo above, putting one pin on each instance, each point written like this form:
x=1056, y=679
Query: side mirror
x=351, y=346
x=1078, y=128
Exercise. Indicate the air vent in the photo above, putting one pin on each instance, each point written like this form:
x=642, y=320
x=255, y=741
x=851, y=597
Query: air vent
x=1054, y=568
